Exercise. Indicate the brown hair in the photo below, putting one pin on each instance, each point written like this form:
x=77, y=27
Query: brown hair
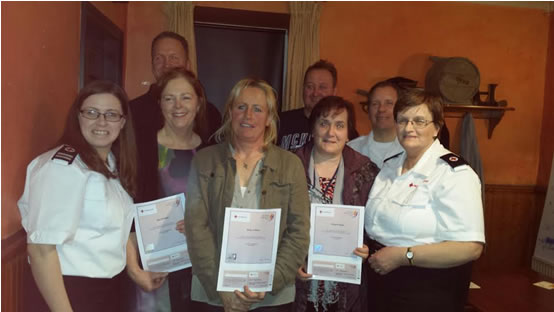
x=124, y=148
x=324, y=65
x=270, y=134
x=334, y=103
x=199, y=119
x=415, y=97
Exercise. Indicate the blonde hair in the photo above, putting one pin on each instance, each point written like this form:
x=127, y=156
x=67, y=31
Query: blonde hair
x=270, y=134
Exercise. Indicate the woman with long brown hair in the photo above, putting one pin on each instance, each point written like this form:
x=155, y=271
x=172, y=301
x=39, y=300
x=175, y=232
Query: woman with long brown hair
x=77, y=206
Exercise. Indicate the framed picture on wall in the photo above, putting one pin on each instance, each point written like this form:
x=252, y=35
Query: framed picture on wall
x=101, y=47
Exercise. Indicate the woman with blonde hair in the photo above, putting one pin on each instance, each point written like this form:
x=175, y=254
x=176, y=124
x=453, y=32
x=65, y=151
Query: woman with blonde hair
x=246, y=170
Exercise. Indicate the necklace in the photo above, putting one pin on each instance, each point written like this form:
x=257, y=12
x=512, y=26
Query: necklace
x=244, y=163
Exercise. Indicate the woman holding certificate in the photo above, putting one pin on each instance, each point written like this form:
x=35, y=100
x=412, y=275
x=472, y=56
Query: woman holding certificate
x=77, y=208
x=164, y=163
x=337, y=175
x=246, y=170
x=424, y=216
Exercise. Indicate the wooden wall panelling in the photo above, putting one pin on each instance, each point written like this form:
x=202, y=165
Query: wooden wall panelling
x=511, y=226
x=14, y=257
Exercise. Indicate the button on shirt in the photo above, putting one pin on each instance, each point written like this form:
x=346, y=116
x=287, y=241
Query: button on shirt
x=87, y=216
x=432, y=202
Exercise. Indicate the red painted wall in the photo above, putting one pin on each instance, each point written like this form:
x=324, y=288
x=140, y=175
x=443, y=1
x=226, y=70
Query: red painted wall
x=40, y=71
x=370, y=41
x=144, y=21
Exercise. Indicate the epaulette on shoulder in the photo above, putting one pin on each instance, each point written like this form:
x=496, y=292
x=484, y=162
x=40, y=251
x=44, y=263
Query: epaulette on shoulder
x=393, y=156
x=65, y=155
x=454, y=160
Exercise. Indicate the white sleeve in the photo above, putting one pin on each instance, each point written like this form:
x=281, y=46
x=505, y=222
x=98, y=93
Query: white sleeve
x=52, y=201
x=459, y=207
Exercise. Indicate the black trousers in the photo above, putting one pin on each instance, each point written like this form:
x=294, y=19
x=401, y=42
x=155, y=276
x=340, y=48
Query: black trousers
x=85, y=294
x=204, y=307
x=417, y=289
x=179, y=290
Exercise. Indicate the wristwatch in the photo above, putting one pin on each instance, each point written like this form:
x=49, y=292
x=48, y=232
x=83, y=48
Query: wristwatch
x=410, y=255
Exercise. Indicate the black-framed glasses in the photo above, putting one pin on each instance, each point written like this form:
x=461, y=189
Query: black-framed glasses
x=93, y=114
x=417, y=123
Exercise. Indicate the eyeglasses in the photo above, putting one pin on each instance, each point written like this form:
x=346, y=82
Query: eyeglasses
x=93, y=114
x=417, y=123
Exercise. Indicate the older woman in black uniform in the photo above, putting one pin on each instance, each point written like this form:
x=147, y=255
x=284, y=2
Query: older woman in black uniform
x=77, y=207
x=424, y=216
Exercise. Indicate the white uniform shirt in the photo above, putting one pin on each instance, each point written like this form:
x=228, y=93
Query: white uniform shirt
x=432, y=202
x=376, y=151
x=86, y=216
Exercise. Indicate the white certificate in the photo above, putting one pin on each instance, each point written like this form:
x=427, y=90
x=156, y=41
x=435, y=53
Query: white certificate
x=335, y=231
x=249, y=249
x=162, y=248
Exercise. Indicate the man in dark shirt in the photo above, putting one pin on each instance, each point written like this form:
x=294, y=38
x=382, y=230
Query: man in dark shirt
x=169, y=50
x=320, y=80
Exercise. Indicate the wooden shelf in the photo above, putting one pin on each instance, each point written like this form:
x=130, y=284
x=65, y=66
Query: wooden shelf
x=477, y=108
x=492, y=113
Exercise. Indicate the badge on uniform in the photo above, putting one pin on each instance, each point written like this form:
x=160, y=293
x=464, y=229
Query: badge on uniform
x=65, y=155
x=454, y=160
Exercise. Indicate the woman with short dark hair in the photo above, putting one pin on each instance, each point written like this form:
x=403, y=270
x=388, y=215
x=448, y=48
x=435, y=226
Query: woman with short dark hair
x=424, y=217
x=339, y=175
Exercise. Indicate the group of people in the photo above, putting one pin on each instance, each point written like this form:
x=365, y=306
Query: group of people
x=423, y=210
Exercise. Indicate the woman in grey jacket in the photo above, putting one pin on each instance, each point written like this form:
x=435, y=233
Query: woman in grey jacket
x=246, y=170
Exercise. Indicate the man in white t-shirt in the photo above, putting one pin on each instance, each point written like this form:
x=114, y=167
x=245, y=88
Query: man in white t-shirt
x=381, y=143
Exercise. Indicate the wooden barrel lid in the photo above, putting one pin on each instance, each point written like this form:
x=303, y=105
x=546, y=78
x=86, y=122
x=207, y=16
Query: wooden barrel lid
x=456, y=79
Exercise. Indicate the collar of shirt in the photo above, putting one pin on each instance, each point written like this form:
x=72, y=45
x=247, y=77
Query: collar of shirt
x=371, y=138
x=152, y=93
x=425, y=164
x=112, y=163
